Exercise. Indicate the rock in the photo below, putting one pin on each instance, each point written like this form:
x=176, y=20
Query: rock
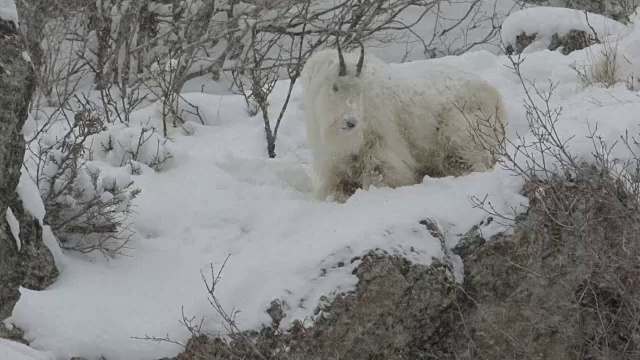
x=10, y=276
x=522, y=41
x=572, y=41
x=398, y=311
x=12, y=333
x=39, y=268
x=32, y=265
x=568, y=43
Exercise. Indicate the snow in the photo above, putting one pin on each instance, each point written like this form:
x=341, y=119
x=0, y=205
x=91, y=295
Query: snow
x=220, y=195
x=223, y=196
x=8, y=11
x=25, y=56
x=547, y=21
x=14, y=225
x=29, y=194
x=10, y=350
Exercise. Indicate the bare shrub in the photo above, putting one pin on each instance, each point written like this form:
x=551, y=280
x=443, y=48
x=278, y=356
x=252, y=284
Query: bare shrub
x=282, y=44
x=235, y=344
x=440, y=42
x=117, y=45
x=147, y=148
x=86, y=209
x=164, y=81
x=259, y=44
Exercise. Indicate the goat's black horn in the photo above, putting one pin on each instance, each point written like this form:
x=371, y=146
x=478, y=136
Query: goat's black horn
x=343, y=65
x=360, y=61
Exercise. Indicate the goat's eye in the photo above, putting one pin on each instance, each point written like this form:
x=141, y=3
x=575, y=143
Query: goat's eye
x=335, y=88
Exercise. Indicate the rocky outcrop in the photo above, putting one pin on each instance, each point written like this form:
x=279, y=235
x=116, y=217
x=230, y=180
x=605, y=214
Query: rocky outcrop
x=563, y=284
x=25, y=261
x=398, y=310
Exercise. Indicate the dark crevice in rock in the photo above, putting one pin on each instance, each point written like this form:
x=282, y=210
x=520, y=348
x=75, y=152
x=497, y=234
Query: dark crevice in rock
x=522, y=41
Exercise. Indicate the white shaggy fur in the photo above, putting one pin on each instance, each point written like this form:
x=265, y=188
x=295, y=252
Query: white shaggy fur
x=392, y=125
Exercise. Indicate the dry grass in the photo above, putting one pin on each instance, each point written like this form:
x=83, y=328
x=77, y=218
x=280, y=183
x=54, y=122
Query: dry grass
x=602, y=67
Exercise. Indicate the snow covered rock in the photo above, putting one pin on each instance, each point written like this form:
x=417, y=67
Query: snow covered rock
x=24, y=259
x=572, y=41
x=554, y=28
x=614, y=9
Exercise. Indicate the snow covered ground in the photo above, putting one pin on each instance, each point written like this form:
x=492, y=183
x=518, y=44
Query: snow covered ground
x=221, y=196
x=10, y=350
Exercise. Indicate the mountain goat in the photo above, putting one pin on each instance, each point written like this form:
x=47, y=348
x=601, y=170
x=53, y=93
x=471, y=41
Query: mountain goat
x=370, y=123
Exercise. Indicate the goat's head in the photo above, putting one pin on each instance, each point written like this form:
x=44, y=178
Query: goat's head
x=340, y=95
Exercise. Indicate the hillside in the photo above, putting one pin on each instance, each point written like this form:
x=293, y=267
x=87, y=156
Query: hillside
x=218, y=202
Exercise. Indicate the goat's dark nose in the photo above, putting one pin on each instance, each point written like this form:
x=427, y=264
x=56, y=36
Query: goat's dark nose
x=351, y=123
